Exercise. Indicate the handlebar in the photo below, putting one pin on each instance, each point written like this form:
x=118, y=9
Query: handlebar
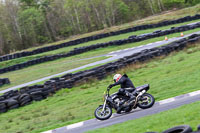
x=108, y=90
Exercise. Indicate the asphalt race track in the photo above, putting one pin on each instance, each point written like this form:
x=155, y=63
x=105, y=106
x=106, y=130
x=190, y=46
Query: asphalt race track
x=114, y=56
x=160, y=106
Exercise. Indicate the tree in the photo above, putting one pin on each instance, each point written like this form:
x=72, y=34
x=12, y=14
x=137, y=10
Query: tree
x=44, y=7
x=32, y=26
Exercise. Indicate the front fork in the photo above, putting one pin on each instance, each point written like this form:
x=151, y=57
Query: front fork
x=104, y=105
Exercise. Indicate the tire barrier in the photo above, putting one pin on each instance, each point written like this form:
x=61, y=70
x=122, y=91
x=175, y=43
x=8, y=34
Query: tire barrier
x=98, y=36
x=80, y=50
x=17, y=98
x=180, y=129
x=4, y=81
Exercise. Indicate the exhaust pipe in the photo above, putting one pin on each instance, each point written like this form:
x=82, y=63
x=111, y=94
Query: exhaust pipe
x=141, y=93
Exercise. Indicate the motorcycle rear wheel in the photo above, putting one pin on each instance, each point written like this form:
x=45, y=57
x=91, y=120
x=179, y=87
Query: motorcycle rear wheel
x=146, y=101
x=103, y=115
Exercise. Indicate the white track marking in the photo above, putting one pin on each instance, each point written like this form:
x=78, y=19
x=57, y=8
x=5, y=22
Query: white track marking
x=74, y=125
x=149, y=44
x=167, y=101
x=140, y=46
x=50, y=131
x=112, y=116
x=112, y=52
x=118, y=51
x=124, y=49
x=127, y=49
x=194, y=93
x=111, y=55
x=158, y=41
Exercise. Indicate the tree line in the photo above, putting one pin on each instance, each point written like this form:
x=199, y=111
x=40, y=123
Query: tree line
x=27, y=23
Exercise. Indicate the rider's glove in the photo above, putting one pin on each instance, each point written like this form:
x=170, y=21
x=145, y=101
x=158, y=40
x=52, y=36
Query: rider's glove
x=110, y=86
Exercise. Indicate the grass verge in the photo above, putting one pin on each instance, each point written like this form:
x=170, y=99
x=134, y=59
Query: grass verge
x=168, y=77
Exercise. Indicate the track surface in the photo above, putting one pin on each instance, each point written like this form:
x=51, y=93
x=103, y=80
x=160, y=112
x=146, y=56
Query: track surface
x=160, y=106
x=114, y=56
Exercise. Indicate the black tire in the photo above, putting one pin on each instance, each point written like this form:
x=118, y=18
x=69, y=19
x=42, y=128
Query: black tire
x=143, y=104
x=22, y=103
x=2, y=105
x=24, y=99
x=98, y=115
x=25, y=103
x=14, y=106
x=22, y=96
x=179, y=129
x=3, y=110
x=11, y=102
x=198, y=127
x=38, y=98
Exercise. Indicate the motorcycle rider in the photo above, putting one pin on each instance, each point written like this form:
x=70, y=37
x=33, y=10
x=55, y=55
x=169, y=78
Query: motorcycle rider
x=127, y=88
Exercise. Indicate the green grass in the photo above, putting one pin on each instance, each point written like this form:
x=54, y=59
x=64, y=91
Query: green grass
x=45, y=69
x=168, y=77
x=185, y=115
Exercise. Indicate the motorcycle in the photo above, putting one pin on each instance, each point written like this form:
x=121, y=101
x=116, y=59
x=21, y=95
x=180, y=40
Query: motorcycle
x=142, y=100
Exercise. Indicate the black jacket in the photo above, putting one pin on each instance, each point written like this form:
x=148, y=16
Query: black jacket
x=125, y=82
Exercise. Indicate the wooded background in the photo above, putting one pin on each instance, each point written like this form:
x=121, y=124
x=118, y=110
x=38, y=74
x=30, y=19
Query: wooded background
x=27, y=23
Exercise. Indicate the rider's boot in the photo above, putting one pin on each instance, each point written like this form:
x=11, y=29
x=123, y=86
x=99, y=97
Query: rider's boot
x=119, y=108
x=126, y=104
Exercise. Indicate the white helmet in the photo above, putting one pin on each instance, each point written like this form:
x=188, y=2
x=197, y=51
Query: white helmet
x=117, y=77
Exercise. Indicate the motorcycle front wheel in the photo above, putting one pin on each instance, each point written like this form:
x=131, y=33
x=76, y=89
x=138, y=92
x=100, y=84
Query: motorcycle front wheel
x=103, y=115
x=146, y=101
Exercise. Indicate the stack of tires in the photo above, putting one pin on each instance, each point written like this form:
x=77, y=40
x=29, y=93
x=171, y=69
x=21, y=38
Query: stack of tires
x=4, y=81
x=2, y=107
x=180, y=129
